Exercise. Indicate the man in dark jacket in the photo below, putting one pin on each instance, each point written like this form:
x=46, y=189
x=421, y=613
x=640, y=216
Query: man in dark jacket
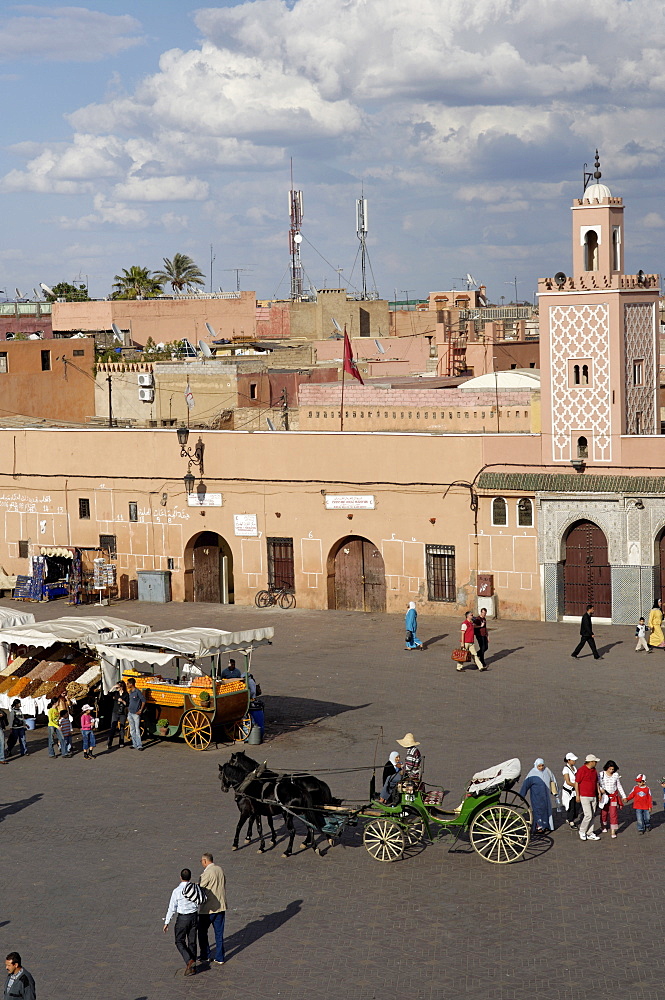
x=586, y=635
x=20, y=984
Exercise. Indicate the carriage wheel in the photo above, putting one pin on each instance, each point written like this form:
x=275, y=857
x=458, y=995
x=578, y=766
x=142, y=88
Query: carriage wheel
x=500, y=834
x=384, y=840
x=415, y=833
x=197, y=730
x=517, y=801
x=263, y=599
x=287, y=600
x=240, y=730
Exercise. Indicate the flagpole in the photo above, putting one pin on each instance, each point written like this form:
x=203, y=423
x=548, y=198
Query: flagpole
x=341, y=412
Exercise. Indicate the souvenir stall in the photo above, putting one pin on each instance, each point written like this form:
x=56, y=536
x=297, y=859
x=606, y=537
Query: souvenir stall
x=70, y=571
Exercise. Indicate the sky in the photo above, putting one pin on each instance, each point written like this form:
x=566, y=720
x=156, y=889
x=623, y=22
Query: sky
x=134, y=131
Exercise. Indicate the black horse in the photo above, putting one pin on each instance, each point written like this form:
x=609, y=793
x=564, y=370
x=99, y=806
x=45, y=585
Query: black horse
x=261, y=793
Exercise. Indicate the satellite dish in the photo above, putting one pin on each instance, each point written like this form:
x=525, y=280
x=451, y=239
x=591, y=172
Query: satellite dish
x=211, y=330
x=18, y=294
x=471, y=281
x=45, y=288
x=160, y=346
x=297, y=238
x=640, y=277
x=336, y=324
x=37, y=295
x=379, y=346
x=34, y=336
x=560, y=278
x=270, y=424
x=117, y=333
x=205, y=350
x=482, y=299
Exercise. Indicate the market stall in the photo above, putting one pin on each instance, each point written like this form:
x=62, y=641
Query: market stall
x=43, y=660
x=80, y=574
x=9, y=618
x=179, y=672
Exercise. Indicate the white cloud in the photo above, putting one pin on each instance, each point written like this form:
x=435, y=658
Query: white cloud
x=66, y=34
x=488, y=109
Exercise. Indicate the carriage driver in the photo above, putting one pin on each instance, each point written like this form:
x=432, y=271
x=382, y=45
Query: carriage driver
x=413, y=760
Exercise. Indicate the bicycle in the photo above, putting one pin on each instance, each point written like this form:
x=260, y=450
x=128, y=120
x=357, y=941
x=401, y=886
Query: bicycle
x=275, y=595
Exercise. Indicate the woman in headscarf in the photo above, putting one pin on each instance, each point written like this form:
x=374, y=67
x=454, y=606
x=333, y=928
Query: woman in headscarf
x=541, y=785
x=411, y=622
x=656, y=625
x=391, y=765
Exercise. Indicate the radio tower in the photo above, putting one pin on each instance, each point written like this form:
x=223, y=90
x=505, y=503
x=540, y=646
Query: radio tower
x=295, y=239
x=361, y=233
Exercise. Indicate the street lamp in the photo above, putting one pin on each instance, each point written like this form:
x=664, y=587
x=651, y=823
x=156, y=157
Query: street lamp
x=189, y=481
x=193, y=458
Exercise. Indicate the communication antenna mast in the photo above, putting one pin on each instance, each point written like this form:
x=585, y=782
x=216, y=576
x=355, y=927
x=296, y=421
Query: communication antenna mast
x=295, y=239
x=361, y=233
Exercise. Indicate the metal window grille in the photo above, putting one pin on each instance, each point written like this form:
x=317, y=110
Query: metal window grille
x=84, y=509
x=281, y=568
x=440, y=572
x=133, y=511
x=108, y=542
x=46, y=361
x=3, y=362
x=23, y=550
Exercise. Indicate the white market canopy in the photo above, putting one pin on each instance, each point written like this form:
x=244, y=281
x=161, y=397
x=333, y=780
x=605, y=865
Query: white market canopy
x=192, y=643
x=67, y=629
x=197, y=642
x=9, y=618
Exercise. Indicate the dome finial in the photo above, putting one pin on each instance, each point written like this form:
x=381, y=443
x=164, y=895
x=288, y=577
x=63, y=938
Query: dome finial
x=597, y=174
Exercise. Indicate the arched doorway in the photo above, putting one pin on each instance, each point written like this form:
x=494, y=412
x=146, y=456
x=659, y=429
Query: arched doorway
x=356, y=576
x=586, y=571
x=208, y=569
x=660, y=556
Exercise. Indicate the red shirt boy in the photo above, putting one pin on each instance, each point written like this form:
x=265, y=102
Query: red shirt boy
x=641, y=795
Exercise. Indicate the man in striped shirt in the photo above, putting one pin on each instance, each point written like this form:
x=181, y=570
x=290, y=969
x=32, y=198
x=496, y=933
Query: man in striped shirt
x=413, y=761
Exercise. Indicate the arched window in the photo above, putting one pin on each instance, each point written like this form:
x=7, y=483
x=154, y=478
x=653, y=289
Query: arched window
x=591, y=250
x=499, y=512
x=525, y=513
x=576, y=374
x=585, y=374
x=582, y=447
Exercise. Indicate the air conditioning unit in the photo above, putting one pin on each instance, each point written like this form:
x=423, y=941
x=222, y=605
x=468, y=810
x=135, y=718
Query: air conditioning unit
x=146, y=380
x=146, y=395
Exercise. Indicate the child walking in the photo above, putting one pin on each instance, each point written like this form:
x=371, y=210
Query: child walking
x=87, y=731
x=611, y=796
x=641, y=634
x=642, y=803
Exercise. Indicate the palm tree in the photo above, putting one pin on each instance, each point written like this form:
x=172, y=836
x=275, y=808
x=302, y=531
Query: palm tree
x=181, y=272
x=136, y=282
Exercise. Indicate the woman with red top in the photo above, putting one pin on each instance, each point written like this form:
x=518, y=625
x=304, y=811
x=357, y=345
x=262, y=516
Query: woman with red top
x=468, y=641
x=642, y=803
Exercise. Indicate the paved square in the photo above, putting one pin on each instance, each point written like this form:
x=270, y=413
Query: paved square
x=91, y=850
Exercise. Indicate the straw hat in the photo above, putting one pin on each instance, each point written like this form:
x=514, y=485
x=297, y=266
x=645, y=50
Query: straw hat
x=408, y=741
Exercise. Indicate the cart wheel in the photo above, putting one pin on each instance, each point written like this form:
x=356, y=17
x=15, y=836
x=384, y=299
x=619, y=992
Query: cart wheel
x=384, y=840
x=499, y=834
x=197, y=730
x=415, y=833
x=287, y=600
x=263, y=599
x=240, y=730
x=517, y=801
x=142, y=729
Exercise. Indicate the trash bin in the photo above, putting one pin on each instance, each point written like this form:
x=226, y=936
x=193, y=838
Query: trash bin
x=256, y=710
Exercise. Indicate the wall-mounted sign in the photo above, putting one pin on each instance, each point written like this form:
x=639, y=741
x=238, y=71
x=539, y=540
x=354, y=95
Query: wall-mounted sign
x=205, y=500
x=349, y=502
x=245, y=524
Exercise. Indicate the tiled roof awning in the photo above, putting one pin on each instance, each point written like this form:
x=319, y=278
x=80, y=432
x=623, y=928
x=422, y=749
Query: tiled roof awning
x=574, y=482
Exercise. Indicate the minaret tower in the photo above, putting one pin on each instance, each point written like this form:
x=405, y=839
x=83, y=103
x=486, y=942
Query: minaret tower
x=598, y=340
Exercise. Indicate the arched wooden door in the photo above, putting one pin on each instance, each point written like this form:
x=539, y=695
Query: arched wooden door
x=211, y=568
x=586, y=571
x=359, y=576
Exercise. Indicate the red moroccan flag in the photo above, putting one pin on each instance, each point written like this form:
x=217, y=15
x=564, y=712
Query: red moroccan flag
x=350, y=366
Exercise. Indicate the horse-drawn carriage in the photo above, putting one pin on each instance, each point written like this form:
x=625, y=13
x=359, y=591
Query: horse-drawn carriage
x=497, y=819
x=179, y=672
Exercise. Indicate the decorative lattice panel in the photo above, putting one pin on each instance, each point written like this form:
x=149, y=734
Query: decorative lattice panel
x=638, y=320
x=577, y=332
